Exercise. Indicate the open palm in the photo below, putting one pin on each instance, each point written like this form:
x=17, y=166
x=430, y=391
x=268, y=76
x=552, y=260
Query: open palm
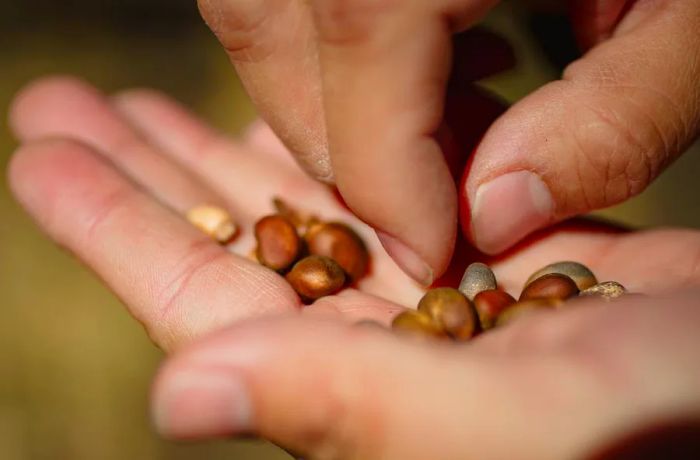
x=111, y=179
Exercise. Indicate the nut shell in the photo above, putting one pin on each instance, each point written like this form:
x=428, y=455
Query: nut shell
x=582, y=275
x=477, y=277
x=489, y=304
x=279, y=245
x=214, y=221
x=608, y=290
x=451, y=311
x=340, y=243
x=551, y=286
x=316, y=276
x=526, y=308
x=417, y=324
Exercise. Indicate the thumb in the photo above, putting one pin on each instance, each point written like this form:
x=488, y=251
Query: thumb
x=324, y=390
x=543, y=388
x=595, y=138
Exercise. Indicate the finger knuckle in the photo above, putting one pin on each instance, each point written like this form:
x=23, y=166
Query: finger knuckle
x=107, y=210
x=629, y=129
x=241, y=25
x=620, y=151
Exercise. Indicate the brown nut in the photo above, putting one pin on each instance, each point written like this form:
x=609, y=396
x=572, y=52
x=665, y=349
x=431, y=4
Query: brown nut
x=608, y=290
x=551, y=286
x=477, y=277
x=314, y=277
x=214, y=221
x=582, y=275
x=417, y=324
x=526, y=308
x=451, y=311
x=489, y=304
x=340, y=243
x=279, y=245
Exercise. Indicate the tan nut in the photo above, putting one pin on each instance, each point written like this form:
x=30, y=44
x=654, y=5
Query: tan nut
x=214, y=221
x=417, y=324
x=451, y=311
x=526, y=308
x=608, y=290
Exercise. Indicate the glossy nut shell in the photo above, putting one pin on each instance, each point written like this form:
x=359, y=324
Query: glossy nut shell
x=340, y=243
x=526, y=308
x=551, y=286
x=452, y=311
x=315, y=276
x=279, y=245
x=416, y=324
x=582, y=275
x=489, y=304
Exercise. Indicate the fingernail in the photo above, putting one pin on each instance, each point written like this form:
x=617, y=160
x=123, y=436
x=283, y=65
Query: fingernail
x=508, y=208
x=407, y=259
x=201, y=404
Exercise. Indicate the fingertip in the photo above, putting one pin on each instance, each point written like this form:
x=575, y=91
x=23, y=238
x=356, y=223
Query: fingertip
x=38, y=94
x=197, y=403
x=38, y=167
x=407, y=259
x=508, y=208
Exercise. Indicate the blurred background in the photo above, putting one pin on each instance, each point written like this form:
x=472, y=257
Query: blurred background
x=74, y=368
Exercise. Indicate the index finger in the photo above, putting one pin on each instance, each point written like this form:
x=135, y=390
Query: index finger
x=385, y=65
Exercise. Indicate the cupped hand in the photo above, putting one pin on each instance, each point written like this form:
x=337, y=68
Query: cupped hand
x=110, y=179
x=596, y=381
x=356, y=88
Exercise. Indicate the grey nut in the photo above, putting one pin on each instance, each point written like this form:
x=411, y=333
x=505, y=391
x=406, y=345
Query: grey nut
x=582, y=275
x=477, y=278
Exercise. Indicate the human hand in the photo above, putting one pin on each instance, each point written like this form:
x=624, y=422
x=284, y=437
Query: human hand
x=111, y=178
x=597, y=381
x=380, y=69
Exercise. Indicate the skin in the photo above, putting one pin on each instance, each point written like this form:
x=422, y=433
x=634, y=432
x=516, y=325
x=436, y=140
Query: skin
x=364, y=106
x=99, y=176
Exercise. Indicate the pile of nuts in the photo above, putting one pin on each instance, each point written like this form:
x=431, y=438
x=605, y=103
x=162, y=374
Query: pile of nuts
x=478, y=305
x=317, y=258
